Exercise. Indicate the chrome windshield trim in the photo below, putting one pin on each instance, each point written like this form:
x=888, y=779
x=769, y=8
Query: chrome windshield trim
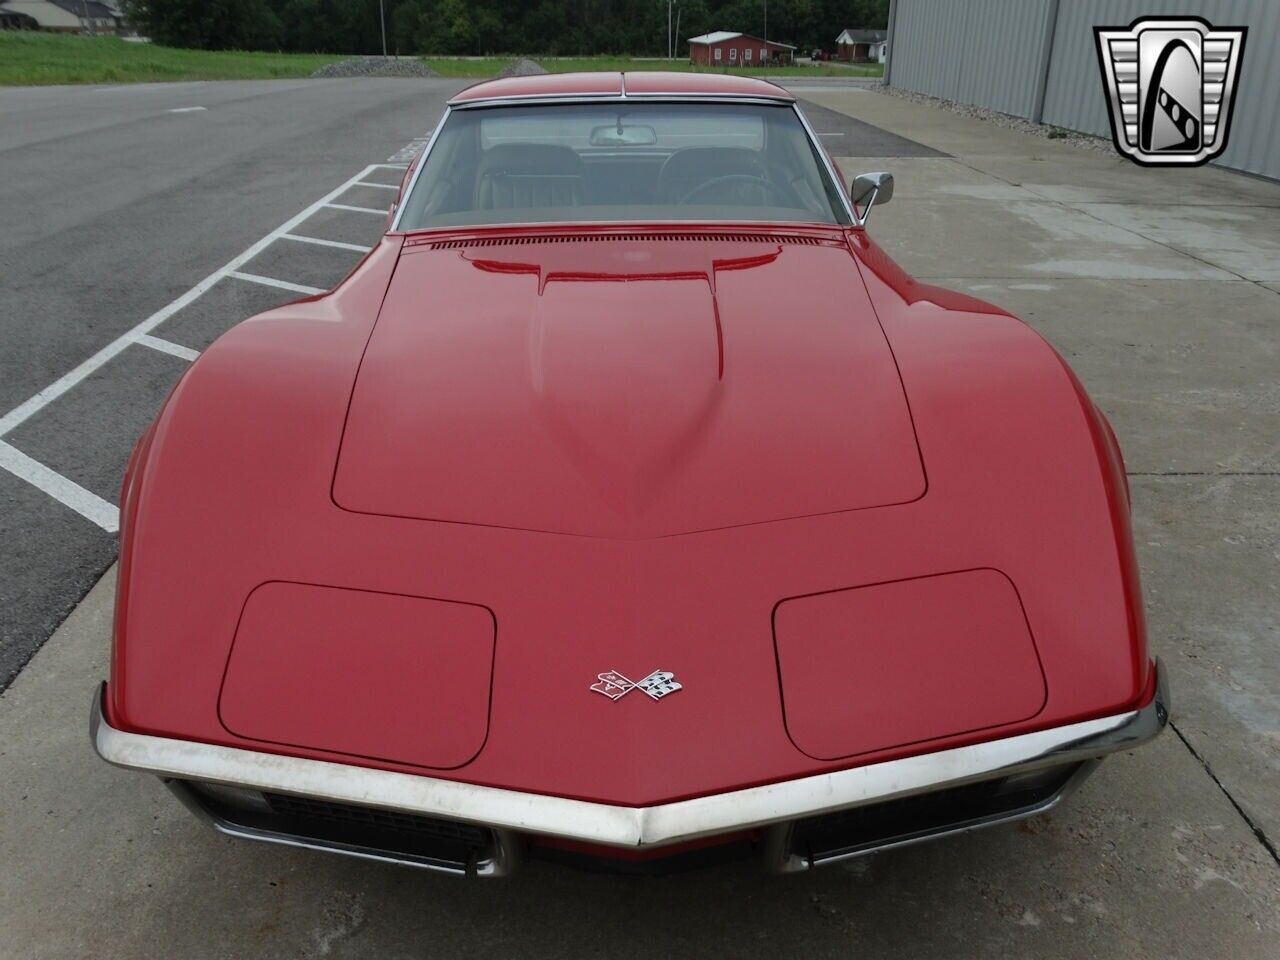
x=618, y=826
x=528, y=99
x=403, y=200
x=829, y=165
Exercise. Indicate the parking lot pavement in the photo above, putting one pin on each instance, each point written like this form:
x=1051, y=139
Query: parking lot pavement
x=1166, y=309
x=841, y=133
x=132, y=238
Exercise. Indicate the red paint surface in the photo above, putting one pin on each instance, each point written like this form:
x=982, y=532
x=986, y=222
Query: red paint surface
x=859, y=666
x=719, y=84
x=611, y=389
x=371, y=662
x=546, y=85
x=232, y=488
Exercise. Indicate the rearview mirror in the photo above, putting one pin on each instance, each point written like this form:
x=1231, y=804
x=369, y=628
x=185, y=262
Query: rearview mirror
x=870, y=189
x=617, y=135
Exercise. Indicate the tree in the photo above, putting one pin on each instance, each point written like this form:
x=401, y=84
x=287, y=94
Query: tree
x=533, y=27
x=208, y=24
x=403, y=27
x=445, y=26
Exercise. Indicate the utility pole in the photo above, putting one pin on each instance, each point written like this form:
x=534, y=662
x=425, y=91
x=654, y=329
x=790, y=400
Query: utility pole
x=382, y=19
x=766, y=34
x=669, y=2
x=677, y=36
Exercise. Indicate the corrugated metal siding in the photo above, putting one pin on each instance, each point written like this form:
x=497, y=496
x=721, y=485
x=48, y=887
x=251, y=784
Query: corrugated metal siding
x=1074, y=97
x=990, y=53
x=975, y=51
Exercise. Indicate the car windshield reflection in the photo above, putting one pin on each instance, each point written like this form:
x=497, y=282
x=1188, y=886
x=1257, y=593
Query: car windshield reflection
x=613, y=163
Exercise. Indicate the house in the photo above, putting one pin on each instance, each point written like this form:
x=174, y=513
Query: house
x=725, y=49
x=13, y=20
x=861, y=46
x=64, y=16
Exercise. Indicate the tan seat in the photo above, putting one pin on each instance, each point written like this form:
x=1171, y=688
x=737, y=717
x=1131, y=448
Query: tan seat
x=515, y=176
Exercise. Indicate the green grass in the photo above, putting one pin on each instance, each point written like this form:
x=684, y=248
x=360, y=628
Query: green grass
x=488, y=66
x=37, y=58
x=34, y=58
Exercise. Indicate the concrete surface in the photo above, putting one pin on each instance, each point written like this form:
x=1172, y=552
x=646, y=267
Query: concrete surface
x=1169, y=312
x=1149, y=859
x=1148, y=282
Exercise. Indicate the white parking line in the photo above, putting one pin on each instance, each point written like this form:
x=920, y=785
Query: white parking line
x=344, y=206
x=407, y=152
x=380, y=186
x=65, y=491
x=34, y=405
x=273, y=282
x=166, y=346
x=325, y=243
x=64, y=383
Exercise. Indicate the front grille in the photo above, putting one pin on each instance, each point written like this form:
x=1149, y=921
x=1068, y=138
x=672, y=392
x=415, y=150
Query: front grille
x=340, y=813
x=848, y=832
x=346, y=828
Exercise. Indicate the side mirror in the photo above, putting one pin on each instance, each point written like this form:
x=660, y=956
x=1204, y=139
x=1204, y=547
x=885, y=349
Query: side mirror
x=870, y=189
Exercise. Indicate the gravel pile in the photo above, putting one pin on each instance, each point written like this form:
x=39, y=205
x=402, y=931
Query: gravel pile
x=521, y=68
x=1003, y=120
x=376, y=67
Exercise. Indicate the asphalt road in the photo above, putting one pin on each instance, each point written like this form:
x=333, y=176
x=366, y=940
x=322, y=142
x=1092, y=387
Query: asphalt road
x=114, y=206
x=120, y=199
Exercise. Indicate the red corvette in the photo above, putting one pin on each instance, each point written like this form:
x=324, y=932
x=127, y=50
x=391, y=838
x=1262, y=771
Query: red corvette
x=626, y=505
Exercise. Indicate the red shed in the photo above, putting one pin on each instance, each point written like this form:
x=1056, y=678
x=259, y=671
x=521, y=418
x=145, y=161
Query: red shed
x=725, y=49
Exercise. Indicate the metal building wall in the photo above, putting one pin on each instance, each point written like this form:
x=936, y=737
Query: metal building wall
x=1074, y=97
x=986, y=52
x=994, y=53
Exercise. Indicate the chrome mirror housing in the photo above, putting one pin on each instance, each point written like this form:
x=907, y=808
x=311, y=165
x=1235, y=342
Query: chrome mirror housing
x=869, y=189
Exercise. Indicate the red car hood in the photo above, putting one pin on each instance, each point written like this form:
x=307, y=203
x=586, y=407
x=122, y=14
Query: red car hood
x=253, y=612
x=628, y=388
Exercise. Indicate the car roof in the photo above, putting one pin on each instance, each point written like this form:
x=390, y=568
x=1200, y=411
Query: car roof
x=641, y=83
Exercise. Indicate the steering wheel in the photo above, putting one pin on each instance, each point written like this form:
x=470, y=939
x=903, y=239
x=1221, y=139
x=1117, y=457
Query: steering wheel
x=751, y=178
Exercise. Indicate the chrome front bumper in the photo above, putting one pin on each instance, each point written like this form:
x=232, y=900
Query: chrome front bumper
x=511, y=814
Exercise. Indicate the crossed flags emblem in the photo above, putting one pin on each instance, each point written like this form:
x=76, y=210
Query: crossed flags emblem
x=656, y=685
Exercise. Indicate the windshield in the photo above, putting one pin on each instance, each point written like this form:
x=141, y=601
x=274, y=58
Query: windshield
x=622, y=161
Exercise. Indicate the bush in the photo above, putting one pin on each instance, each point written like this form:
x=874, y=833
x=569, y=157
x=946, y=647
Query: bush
x=208, y=24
